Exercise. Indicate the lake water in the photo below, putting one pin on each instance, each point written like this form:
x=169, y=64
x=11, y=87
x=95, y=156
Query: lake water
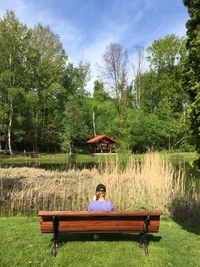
x=190, y=170
x=53, y=166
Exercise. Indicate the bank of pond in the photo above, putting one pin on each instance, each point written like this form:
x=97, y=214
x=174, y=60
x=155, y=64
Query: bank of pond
x=150, y=181
x=63, y=162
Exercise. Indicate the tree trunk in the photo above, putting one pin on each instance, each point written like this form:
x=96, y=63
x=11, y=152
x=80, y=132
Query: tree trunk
x=35, y=149
x=138, y=73
x=169, y=144
x=10, y=103
x=43, y=135
x=10, y=125
x=70, y=149
x=93, y=121
x=6, y=145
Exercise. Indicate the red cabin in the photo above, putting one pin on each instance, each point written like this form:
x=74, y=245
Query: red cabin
x=102, y=144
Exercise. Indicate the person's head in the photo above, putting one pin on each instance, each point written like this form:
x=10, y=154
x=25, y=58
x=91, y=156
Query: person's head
x=100, y=191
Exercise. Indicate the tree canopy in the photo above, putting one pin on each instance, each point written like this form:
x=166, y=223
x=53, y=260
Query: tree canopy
x=44, y=104
x=192, y=71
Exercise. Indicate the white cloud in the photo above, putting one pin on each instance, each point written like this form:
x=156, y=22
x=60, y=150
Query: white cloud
x=123, y=29
x=32, y=14
x=17, y=6
x=94, y=51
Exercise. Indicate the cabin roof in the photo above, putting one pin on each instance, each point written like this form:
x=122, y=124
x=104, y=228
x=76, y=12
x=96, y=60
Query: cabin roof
x=100, y=137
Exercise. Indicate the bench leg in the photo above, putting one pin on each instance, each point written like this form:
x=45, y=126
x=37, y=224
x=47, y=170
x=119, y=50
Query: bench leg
x=143, y=245
x=143, y=237
x=54, y=250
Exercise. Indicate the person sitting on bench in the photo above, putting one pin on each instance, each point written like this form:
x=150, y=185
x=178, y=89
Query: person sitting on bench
x=99, y=203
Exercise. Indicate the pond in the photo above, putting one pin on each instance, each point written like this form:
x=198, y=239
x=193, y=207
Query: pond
x=192, y=175
x=54, y=166
x=72, y=162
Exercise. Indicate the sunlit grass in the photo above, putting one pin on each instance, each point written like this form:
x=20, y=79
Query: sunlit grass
x=84, y=158
x=22, y=244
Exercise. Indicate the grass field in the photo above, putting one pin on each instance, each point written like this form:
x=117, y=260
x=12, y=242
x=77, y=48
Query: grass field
x=22, y=244
x=64, y=158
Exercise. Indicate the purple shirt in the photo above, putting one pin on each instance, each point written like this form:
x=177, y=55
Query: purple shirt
x=101, y=206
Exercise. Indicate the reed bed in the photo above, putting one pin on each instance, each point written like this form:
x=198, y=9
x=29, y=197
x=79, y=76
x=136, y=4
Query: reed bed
x=152, y=183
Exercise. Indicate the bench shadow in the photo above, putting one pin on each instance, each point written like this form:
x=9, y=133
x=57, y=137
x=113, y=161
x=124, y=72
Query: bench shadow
x=89, y=237
x=186, y=212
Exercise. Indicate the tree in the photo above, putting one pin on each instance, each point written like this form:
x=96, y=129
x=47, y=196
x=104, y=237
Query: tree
x=100, y=93
x=77, y=115
x=192, y=71
x=160, y=95
x=83, y=71
x=105, y=116
x=144, y=131
x=138, y=70
x=76, y=123
x=115, y=59
x=99, y=96
x=14, y=42
x=166, y=57
x=48, y=69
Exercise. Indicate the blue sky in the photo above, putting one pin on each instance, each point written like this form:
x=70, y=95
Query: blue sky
x=87, y=26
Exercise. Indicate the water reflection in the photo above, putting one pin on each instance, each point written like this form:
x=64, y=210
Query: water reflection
x=191, y=171
x=71, y=164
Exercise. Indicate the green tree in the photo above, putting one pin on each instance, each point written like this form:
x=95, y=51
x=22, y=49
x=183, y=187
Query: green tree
x=145, y=131
x=100, y=93
x=166, y=57
x=46, y=84
x=99, y=96
x=14, y=70
x=76, y=124
x=77, y=116
x=192, y=71
x=162, y=93
x=105, y=115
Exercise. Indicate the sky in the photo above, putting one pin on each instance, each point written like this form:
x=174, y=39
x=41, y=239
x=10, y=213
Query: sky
x=86, y=27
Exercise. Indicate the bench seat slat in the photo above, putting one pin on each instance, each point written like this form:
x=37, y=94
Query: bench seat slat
x=119, y=229
x=92, y=213
x=99, y=224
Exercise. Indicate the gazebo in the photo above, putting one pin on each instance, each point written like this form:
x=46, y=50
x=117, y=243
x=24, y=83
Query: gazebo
x=102, y=144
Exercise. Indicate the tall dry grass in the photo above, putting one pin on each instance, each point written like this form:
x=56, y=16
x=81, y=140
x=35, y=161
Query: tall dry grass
x=152, y=183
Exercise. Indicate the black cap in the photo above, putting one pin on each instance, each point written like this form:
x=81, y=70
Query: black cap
x=100, y=188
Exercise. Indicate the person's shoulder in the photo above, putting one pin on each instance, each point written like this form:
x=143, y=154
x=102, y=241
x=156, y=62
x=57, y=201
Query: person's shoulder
x=92, y=202
x=110, y=202
x=91, y=205
x=111, y=205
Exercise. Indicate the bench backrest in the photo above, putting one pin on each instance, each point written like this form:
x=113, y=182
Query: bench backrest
x=99, y=222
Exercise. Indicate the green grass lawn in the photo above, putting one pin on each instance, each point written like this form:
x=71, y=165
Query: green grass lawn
x=84, y=158
x=54, y=159
x=22, y=244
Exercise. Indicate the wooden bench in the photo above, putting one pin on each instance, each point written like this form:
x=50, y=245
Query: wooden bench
x=141, y=222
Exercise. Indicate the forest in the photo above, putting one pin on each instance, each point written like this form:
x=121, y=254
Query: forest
x=45, y=105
